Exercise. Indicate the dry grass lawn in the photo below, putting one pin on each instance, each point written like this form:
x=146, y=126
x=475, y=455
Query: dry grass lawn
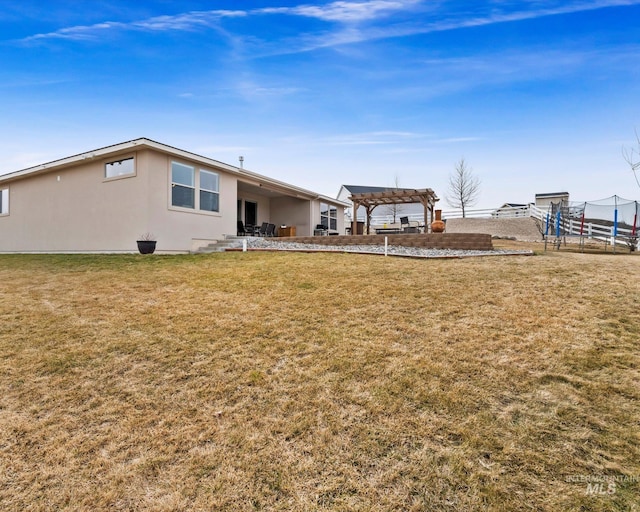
x=272, y=381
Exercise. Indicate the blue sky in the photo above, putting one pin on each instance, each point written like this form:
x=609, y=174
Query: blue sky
x=537, y=96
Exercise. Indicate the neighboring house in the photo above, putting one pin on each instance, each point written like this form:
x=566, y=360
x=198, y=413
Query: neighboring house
x=387, y=211
x=104, y=200
x=544, y=200
x=511, y=210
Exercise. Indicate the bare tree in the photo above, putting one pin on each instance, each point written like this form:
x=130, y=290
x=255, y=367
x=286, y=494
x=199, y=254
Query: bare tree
x=464, y=187
x=632, y=156
x=394, y=209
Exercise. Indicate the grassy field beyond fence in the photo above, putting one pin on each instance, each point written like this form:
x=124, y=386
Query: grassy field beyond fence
x=275, y=381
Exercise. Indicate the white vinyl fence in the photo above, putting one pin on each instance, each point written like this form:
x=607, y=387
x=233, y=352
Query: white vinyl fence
x=569, y=226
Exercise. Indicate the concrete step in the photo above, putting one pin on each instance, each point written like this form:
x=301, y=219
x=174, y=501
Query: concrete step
x=220, y=246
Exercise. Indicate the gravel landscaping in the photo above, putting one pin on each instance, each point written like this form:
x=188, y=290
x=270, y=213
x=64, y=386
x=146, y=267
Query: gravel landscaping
x=392, y=250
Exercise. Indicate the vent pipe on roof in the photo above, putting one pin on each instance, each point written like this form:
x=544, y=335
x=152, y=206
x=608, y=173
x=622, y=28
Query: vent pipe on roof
x=241, y=162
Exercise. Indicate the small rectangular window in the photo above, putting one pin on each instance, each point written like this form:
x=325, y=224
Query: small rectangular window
x=125, y=167
x=209, y=196
x=182, y=185
x=4, y=201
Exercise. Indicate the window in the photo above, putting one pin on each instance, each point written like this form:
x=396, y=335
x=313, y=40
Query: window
x=183, y=185
x=193, y=188
x=125, y=167
x=209, y=197
x=4, y=201
x=329, y=216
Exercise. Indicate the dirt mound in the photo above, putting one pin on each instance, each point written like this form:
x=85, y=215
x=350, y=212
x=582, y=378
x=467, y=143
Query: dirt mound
x=523, y=228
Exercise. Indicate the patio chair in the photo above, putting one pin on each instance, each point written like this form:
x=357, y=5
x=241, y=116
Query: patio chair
x=407, y=226
x=271, y=230
x=241, y=230
x=262, y=230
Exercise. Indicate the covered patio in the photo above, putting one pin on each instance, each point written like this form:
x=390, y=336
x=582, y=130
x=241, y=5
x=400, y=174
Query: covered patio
x=371, y=200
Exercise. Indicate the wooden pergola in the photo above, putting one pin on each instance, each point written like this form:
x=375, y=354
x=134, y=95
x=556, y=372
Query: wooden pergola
x=370, y=200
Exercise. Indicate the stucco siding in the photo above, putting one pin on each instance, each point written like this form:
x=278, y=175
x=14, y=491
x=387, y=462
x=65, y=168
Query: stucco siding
x=77, y=210
x=74, y=209
x=70, y=205
x=263, y=206
x=291, y=211
x=176, y=228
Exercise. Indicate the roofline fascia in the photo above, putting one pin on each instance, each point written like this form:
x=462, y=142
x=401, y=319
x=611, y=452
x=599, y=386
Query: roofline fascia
x=74, y=159
x=143, y=142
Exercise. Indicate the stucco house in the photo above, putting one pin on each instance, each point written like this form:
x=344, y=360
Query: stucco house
x=104, y=200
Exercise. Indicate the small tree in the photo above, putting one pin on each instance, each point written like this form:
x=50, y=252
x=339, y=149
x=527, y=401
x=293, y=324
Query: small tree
x=464, y=187
x=394, y=209
x=632, y=156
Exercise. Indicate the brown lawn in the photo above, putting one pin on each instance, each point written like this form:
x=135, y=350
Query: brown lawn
x=272, y=381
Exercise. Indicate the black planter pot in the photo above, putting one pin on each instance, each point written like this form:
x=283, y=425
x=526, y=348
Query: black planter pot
x=146, y=246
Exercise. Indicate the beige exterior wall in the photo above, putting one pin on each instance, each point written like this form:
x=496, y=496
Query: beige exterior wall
x=73, y=210
x=69, y=205
x=77, y=210
x=291, y=211
x=177, y=228
x=263, y=206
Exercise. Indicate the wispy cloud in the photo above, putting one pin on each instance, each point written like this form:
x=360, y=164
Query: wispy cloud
x=346, y=12
x=399, y=140
x=445, y=77
x=524, y=14
x=181, y=22
x=337, y=12
x=445, y=22
x=349, y=21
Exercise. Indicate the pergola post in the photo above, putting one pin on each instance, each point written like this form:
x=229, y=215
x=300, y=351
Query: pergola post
x=369, y=200
x=354, y=220
x=426, y=215
x=369, y=211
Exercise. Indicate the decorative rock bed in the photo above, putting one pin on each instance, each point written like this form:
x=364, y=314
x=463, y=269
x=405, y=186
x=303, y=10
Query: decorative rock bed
x=275, y=244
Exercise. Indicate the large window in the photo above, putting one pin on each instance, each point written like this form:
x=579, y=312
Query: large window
x=183, y=185
x=329, y=216
x=193, y=188
x=120, y=168
x=4, y=201
x=209, y=197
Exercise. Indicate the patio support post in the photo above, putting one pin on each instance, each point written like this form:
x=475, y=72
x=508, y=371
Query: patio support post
x=433, y=208
x=354, y=220
x=426, y=217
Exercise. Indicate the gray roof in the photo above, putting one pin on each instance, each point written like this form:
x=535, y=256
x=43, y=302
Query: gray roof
x=552, y=194
x=361, y=189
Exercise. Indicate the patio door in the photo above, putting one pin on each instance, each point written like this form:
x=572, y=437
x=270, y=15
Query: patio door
x=250, y=213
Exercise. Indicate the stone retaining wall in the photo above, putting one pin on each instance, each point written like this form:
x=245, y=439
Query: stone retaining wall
x=461, y=241
x=523, y=228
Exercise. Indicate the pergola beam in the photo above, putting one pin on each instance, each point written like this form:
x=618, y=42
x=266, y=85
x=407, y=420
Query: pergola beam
x=369, y=200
